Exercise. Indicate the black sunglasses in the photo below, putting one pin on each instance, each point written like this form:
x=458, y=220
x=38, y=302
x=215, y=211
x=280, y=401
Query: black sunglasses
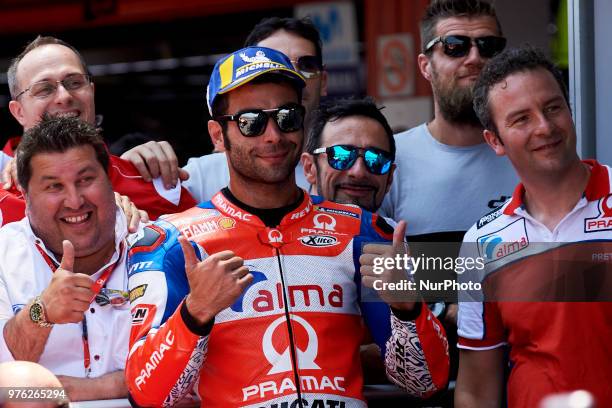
x=308, y=65
x=343, y=157
x=458, y=46
x=253, y=122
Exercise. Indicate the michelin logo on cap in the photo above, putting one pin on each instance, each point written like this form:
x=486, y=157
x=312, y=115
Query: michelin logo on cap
x=257, y=62
x=242, y=66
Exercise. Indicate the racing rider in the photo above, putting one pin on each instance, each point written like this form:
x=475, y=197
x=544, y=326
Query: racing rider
x=272, y=315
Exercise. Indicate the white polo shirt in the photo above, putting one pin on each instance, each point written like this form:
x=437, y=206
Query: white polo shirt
x=24, y=274
x=555, y=345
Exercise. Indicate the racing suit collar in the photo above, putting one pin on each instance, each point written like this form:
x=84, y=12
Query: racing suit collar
x=235, y=209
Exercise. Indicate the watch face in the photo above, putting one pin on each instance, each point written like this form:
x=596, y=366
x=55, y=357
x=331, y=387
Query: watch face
x=36, y=312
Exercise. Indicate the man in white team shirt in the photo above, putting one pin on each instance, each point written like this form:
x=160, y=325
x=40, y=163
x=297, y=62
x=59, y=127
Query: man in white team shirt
x=63, y=278
x=545, y=246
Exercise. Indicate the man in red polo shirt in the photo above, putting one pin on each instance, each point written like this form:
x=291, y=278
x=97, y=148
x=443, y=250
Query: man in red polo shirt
x=50, y=76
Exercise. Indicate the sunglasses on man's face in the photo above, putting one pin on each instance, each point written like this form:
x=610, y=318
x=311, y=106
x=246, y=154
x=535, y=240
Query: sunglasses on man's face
x=253, y=122
x=308, y=65
x=343, y=157
x=457, y=46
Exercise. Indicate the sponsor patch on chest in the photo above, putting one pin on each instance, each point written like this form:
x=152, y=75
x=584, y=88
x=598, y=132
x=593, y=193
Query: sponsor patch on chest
x=504, y=242
x=603, y=222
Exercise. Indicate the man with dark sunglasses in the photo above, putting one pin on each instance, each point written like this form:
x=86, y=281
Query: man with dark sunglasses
x=446, y=162
x=298, y=39
x=447, y=176
x=63, y=277
x=350, y=153
x=257, y=292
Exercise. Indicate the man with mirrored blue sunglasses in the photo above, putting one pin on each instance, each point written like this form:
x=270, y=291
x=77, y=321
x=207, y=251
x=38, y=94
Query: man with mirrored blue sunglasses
x=350, y=153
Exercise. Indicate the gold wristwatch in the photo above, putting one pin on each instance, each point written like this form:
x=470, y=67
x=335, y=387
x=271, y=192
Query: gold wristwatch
x=37, y=313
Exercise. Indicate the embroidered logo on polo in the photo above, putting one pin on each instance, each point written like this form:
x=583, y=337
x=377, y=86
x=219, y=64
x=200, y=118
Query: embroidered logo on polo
x=17, y=308
x=504, y=242
x=489, y=217
x=603, y=222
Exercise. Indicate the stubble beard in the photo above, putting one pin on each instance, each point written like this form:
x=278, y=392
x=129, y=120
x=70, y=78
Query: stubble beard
x=245, y=165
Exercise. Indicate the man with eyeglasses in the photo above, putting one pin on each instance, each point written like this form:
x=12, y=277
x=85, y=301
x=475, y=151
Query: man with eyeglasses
x=63, y=277
x=51, y=77
x=256, y=292
x=298, y=39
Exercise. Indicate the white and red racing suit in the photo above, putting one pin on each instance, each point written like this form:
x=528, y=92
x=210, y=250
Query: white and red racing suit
x=292, y=338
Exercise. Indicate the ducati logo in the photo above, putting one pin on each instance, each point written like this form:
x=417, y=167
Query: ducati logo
x=325, y=222
x=281, y=362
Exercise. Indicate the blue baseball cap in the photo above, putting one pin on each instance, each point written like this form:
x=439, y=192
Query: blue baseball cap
x=242, y=66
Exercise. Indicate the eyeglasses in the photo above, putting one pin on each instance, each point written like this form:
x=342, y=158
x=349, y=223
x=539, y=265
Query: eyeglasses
x=458, y=46
x=253, y=122
x=44, y=89
x=308, y=65
x=343, y=157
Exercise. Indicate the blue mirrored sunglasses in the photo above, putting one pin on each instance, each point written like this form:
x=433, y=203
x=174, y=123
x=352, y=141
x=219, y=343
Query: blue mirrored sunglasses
x=343, y=157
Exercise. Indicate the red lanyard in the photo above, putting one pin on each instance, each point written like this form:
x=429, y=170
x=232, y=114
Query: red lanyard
x=95, y=287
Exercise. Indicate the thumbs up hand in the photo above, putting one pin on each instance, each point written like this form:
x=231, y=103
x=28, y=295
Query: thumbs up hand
x=69, y=294
x=370, y=256
x=214, y=283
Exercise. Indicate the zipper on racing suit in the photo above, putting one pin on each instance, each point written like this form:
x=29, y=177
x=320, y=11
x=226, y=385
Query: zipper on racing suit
x=294, y=361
